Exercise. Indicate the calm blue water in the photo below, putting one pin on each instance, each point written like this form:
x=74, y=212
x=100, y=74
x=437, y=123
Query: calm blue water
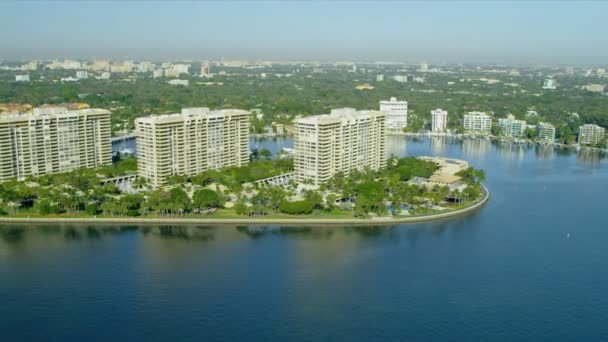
x=531, y=265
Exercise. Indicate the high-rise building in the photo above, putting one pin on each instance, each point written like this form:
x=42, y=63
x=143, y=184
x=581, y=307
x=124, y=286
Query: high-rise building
x=205, y=71
x=545, y=132
x=439, y=120
x=190, y=142
x=53, y=140
x=590, y=134
x=396, y=114
x=342, y=141
x=379, y=78
x=511, y=126
x=477, y=122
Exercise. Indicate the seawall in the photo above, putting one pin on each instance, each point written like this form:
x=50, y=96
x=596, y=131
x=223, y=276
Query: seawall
x=247, y=221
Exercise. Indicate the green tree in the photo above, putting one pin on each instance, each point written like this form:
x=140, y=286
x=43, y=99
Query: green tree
x=266, y=154
x=205, y=198
x=179, y=201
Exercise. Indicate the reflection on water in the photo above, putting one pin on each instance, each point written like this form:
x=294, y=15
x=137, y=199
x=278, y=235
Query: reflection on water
x=438, y=145
x=475, y=147
x=544, y=152
x=198, y=233
x=10, y=235
x=591, y=157
x=511, y=151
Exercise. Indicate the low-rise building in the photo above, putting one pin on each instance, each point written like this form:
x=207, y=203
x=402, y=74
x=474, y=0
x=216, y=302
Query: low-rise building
x=511, y=126
x=158, y=73
x=22, y=78
x=178, y=82
x=477, y=123
x=590, y=134
x=550, y=84
x=545, y=132
x=595, y=88
x=176, y=70
x=446, y=174
x=82, y=74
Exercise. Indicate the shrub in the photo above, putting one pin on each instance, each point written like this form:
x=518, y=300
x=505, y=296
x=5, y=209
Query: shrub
x=296, y=208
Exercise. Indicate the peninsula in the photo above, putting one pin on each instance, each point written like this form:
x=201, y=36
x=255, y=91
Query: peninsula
x=197, y=165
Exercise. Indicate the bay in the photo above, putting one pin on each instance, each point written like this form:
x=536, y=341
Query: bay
x=530, y=265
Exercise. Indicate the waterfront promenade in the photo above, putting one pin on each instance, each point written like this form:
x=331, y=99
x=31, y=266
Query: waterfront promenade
x=284, y=221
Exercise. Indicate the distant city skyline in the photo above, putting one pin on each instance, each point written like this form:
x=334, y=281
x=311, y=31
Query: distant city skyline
x=436, y=32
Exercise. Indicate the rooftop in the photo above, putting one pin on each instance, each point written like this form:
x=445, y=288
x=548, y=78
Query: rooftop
x=190, y=113
x=343, y=115
x=51, y=111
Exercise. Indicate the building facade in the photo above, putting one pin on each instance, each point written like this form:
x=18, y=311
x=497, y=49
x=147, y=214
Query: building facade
x=545, y=132
x=590, y=134
x=53, y=140
x=477, y=123
x=82, y=74
x=342, y=141
x=511, y=126
x=550, y=84
x=439, y=120
x=190, y=142
x=396, y=114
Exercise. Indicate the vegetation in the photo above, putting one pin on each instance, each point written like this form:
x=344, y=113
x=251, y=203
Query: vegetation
x=360, y=194
x=310, y=91
x=303, y=207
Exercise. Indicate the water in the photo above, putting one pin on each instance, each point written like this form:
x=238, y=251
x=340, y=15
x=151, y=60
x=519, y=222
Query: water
x=273, y=144
x=531, y=265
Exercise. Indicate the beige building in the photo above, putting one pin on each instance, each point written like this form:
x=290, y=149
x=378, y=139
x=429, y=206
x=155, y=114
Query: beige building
x=590, y=134
x=190, y=142
x=53, y=140
x=447, y=168
x=545, y=132
x=512, y=127
x=477, y=123
x=342, y=141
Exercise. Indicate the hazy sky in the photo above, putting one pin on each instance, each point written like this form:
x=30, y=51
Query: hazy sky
x=476, y=31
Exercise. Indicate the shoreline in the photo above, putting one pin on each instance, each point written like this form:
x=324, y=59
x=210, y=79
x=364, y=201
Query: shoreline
x=516, y=140
x=232, y=221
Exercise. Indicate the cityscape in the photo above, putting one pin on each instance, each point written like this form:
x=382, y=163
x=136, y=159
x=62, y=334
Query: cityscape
x=396, y=171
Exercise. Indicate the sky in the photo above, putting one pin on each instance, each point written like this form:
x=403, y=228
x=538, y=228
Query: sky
x=517, y=32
